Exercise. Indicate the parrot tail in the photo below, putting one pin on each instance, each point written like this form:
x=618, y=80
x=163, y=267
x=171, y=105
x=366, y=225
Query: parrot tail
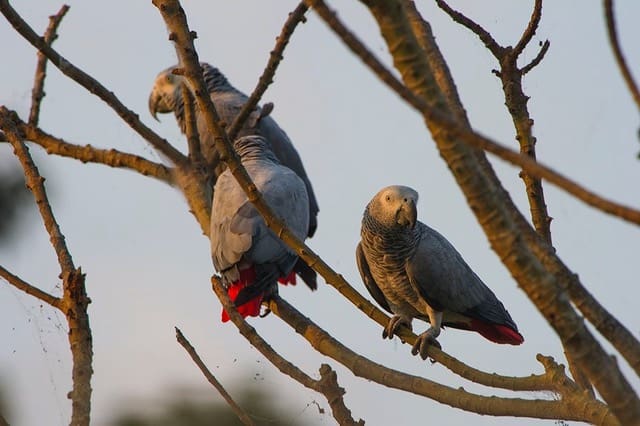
x=289, y=279
x=497, y=333
x=307, y=274
x=252, y=306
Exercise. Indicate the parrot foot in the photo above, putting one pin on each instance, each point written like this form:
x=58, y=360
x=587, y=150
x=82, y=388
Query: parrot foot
x=394, y=323
x=266, y=312
x=423, y=341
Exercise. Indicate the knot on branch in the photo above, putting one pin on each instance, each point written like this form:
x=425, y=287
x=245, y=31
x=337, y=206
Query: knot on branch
x=75, y=292
x=333, y=392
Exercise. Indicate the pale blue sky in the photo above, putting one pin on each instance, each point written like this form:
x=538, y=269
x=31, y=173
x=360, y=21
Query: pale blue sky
x=148, y=265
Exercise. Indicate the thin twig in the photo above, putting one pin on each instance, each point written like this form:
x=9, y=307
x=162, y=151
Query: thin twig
x=191, y=128
x=244, y=417
x=324, y=343
x=539, y=57
x=31, y=290
x=41, y=68
x=266, y=78
x=484, y=35
x=617, y=51
x=531, y=29
x=91, y=84
x=474, y=139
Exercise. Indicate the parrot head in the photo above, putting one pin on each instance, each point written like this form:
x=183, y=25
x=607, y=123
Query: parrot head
x=162, y=98
x=395, y=206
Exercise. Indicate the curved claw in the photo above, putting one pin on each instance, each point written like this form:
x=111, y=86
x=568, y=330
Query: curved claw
x=423, y=341
x=394, y=323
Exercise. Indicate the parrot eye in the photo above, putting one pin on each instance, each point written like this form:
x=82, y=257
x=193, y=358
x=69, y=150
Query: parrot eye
x=388, y=198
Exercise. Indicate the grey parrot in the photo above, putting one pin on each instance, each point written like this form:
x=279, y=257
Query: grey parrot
x=412, y=271
x=248, y=255
x=166, y=96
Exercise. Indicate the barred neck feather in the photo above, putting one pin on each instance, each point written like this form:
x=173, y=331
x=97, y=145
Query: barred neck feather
x=254, y=148
x=215, y=82
x=390, y=238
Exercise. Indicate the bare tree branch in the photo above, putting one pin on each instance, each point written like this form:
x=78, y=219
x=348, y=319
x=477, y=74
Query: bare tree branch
x=578, y=408
x=31, y=290
x=244, y=417
x=41, y=68
x=617, y=51
x=91, y=154
x=266, y=78
x=91, y=84
x=333, y=395
x=74, y=301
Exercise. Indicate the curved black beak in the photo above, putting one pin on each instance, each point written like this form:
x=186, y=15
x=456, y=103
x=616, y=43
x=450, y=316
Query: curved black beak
x=153, y=105
x=407, y=213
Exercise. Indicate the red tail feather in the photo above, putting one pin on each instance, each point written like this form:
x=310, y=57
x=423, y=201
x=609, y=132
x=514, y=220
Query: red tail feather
x=289, y=279
x=497, y=333
x=252, y=307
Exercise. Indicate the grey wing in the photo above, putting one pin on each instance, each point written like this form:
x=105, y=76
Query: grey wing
x=446, y=281
x=368, y=280
x=227, y=246
x=288, y=155
x=238, y=232
x=285, y=193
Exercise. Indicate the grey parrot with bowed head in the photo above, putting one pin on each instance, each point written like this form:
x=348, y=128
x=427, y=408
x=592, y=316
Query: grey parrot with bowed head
x=248, y=255
x=414, y=272
x=166, y=96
